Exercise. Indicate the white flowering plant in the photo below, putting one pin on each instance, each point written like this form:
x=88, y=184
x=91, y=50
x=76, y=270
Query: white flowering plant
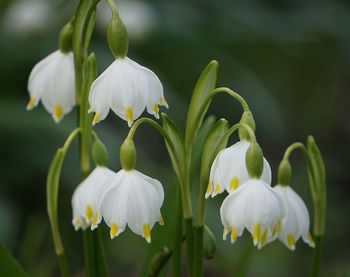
x=129, y=198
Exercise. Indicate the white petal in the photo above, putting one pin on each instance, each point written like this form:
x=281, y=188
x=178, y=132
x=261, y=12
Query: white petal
x=53, y=81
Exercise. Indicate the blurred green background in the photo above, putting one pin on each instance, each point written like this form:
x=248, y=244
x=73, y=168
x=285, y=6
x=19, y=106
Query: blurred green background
x=289, y=59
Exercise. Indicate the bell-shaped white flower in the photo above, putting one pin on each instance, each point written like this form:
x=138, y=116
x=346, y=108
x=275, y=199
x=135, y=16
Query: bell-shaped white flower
x=297, y=220
x=86, y=200
x=127, y=88
x=134, y=199
x=256, y=207
x=52, y=81
x=229, y=169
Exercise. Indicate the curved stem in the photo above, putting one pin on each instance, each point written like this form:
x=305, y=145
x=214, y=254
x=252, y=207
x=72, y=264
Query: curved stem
x=235, y=95
x=113, y=7
x=291, y=148
x=70, y=139
x=236, y=127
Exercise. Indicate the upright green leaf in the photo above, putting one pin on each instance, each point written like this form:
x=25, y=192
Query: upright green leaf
x=200, y=101
x=318, y=186
x=215, y=141
x=176, y=149
x=9, y=266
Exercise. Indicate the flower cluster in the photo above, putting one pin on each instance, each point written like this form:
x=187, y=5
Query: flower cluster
x=124, y=198
x=266, y=212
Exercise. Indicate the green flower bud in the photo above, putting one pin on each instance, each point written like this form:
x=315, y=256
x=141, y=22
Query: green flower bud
x=117, y=37
x=128, y=155
x=247, y=118
x=284, y=174
x=99, y=153
x=65, y=37
x=209, y=243
x=254, y=160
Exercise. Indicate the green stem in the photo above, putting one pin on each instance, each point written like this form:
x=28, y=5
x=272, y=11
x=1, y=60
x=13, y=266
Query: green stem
x=316, y=257
x=113, y=8
x=89, y=254
x=233, y=94
x=291, y=148
x=62, y=262
x=177, y=242
x=190, y=244
x=100, y=257
x=198, y=251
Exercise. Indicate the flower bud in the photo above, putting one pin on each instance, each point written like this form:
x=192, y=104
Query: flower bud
x=284, y=174
x=128, y=155
x=247, y=118
x=99, y=153
x=65, y=37
x=117, y=37
x=254, y=161
x=209, y=243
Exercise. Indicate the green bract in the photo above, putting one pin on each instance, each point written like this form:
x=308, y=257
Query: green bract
x=117, y=37
x=248, y=119
x=128, y=155
x=284, y=174
x=99, y=153
x=254, y=160
x=65, y=37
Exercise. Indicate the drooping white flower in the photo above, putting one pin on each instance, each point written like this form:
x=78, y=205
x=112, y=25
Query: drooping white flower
x=229, y=169
x=86, y=200
x=134, y=199
x=52, y=81
x=256, y=207
x=127, y=88
x=297, y=220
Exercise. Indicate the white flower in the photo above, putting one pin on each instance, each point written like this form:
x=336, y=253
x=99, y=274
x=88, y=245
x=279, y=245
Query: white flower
x=127, y=88
x=52, y=81
x=134, y=199
x=229, y=169
x=297, y=220
x=86, y=200
x=256, y=207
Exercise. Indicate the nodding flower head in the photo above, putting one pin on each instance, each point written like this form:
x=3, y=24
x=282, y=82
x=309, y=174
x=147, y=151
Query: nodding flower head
x=127, y=88
x=52, y=81
x=86, y=200
x=134, y=199
x=229, y=169
x=297, y=220
x=256, y=207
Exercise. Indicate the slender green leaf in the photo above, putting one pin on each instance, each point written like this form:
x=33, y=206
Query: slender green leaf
x=215, y=141
x=200, y=101
x=177, y=149
x=9, y=266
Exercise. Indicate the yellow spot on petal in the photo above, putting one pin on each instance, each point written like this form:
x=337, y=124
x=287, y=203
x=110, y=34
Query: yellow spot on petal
x=147, y=232
x=233, y=234
x=94, y=221
x=217, y=189
x=263, y=238
x=277, y=228
x=96, y=117
x=256, y=233
x=156, y=108
x=208, y=189
x=88, y=213
x=161, y=220
x=57, y=112
x=31, y=103
x=290, y=241
x=234, y=183
x=129, y=116
x=113, y=231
